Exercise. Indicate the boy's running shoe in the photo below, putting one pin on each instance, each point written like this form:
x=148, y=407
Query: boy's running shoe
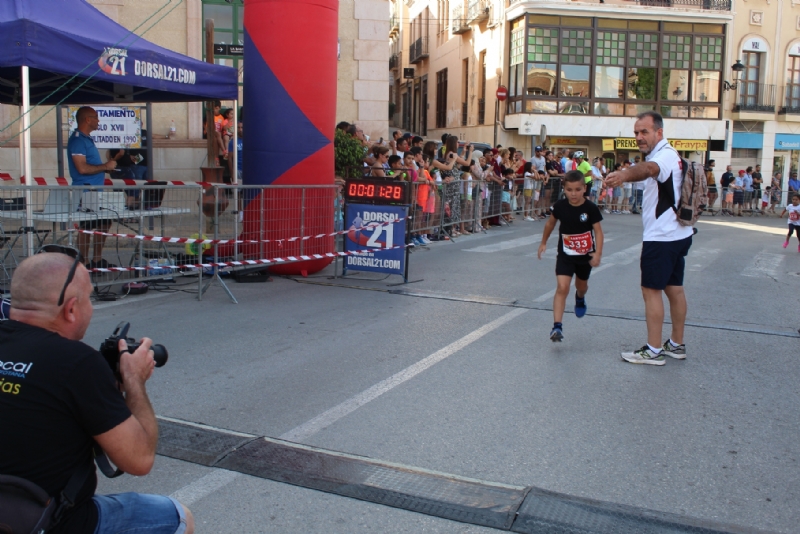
x=785, y=244
x=580, y=306
x=679, y=352
x=644, y=355
x=556, y=334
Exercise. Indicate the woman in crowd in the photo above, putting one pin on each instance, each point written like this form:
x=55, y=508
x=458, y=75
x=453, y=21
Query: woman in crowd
x=381, y=155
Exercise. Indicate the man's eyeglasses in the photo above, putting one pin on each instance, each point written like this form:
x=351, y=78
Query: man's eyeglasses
x=72, y=253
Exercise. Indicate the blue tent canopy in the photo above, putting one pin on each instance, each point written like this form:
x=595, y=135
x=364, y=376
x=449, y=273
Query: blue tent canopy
x=58, y=39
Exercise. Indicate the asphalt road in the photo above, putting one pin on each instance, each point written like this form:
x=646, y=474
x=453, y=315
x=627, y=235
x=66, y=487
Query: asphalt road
x=713, y=437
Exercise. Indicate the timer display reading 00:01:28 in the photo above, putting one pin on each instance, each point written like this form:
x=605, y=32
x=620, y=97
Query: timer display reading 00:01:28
x=369, y=191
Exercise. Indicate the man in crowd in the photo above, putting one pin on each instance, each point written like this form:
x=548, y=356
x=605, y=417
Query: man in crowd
x=86, y=168
x=725, y=182
x=666, y=241
x=747, y=184
x=794, y=183
x=712, y=185
x=68, y=400
x=585, y=167
x=757, y=181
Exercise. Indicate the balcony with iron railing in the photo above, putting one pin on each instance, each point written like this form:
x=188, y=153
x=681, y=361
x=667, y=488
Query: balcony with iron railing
x=418, y=50
x=481, y=111
x=477, y=11
x=458, y=21
x=394, y=61
x=791, y=100
x=754, y=97
x=707, y=5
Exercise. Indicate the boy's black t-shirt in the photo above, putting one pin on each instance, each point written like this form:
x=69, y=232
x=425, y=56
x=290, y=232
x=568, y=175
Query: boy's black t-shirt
x=575, y=229
x=55, y=394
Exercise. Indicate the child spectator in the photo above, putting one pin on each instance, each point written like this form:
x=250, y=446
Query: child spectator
x=580, y=247
x=794, y=219
x=765, y=199
x=227, y=128
x=508, y=187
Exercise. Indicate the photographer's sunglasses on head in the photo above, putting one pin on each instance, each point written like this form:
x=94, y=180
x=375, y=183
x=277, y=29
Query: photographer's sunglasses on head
x=72, y=253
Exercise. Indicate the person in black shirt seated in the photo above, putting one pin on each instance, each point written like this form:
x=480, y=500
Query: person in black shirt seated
x=58, y=397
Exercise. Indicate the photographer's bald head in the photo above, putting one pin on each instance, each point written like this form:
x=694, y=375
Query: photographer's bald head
x=36, y=286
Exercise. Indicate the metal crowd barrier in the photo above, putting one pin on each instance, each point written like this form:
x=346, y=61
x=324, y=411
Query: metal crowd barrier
x=160, y=232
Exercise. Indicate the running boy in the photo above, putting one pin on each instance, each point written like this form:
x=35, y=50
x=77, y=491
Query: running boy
x=580, y=246
x=794, y=219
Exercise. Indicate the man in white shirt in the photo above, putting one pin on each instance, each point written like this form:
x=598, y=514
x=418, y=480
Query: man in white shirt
x=666, y=241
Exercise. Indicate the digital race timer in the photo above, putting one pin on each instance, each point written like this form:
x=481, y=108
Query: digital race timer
x=374, y=191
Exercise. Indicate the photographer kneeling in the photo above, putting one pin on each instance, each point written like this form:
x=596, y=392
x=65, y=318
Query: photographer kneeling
x=58, y=397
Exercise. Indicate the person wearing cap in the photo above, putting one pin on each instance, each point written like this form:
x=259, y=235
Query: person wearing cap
x=738, y=191
x=586, y=168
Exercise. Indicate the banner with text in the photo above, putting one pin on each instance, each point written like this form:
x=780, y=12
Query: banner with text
x=120, y=126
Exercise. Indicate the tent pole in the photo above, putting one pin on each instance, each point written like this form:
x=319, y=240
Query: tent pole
x=60, y=141
x=27, y=164
x=149, y=148
x=235, y=174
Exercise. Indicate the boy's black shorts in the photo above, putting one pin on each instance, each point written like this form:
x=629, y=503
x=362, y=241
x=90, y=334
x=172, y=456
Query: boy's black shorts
x=567, y=267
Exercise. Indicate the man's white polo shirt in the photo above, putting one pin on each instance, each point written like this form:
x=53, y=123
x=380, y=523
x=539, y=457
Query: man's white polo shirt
x=661, y=194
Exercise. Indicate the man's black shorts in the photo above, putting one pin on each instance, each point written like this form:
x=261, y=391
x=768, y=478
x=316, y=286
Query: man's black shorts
x=662, y=262
x=567, y=267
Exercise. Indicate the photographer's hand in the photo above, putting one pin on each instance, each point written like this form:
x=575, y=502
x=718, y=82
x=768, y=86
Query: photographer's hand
x=131, y=445
x=138, y=366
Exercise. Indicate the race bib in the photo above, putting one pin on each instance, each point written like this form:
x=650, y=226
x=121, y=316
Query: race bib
x=794, y=216
x=578, y=244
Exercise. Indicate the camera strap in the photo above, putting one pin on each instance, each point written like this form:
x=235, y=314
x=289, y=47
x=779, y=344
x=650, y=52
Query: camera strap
x=104, y=464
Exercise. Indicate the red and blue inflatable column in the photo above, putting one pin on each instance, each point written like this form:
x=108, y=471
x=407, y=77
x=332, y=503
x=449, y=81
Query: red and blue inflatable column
x=290, y=53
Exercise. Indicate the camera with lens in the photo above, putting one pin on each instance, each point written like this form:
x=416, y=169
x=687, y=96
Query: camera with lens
x=110, y=349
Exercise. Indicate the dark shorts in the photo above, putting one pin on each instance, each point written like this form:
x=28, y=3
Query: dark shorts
x=712, y=189
x=97, y=224
x=567, y=267
x=662, y=262
x=738, y=197
x=792, y=228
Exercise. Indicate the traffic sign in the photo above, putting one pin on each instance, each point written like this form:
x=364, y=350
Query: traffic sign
x=502, y=93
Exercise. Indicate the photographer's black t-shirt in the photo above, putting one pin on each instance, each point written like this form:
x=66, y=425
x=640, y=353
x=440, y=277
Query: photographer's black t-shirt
x=55, y=394
x=575, y=232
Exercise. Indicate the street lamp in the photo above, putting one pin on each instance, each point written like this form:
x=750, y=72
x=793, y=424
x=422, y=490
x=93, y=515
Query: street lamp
x=736, y=68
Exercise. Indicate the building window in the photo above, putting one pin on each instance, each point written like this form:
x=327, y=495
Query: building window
x=441, y=99
x=615, y=67
x=792, y=101
x=748, y=94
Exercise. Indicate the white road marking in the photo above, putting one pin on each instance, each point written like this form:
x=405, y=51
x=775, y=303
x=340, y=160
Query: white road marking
x=131, y=300
x=747, y=226
x=204, y=486
x=308, y=429
x=623, y=257
x=764, y=265
x=699, y=258
x=506, y=245
x=549, y=295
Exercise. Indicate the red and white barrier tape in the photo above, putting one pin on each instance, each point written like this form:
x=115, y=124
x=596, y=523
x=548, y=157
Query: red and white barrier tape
x=287, y=259
x=60, y=180
x=181, y=240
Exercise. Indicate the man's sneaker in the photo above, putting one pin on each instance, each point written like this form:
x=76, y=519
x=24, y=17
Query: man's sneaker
x=580, y=306
x=679, y=352
x=425, y=240
x=530, y=219
x=556, y=334
x=644, y=355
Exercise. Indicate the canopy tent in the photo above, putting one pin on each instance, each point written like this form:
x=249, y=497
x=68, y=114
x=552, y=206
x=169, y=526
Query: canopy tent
x=45, y=43
x=57, y=39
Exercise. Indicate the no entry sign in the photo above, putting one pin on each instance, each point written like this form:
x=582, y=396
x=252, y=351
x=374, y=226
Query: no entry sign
x=502, y=93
